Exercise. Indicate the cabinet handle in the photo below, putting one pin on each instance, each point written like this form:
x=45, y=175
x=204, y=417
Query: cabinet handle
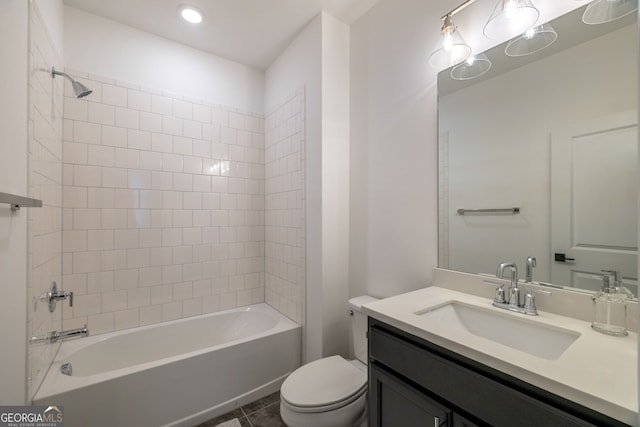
x=436, y=422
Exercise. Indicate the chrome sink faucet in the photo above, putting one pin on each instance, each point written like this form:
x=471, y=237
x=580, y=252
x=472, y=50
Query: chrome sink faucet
x=531, y=262
x=514, y=291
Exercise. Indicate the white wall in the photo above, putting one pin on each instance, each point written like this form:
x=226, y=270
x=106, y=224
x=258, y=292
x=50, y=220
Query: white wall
x=107, y=48
x=13, y=179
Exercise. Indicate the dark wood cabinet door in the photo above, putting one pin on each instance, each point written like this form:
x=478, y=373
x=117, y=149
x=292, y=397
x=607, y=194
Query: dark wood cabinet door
x=394, y=403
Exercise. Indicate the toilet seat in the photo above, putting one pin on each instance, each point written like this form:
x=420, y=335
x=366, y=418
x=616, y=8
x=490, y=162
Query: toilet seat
x=323, y=385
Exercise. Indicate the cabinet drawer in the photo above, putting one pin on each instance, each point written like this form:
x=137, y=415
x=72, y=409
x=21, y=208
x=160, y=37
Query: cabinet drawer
x=466, y=390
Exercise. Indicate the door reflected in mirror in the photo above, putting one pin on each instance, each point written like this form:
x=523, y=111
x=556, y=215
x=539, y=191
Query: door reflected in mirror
x=553, y=133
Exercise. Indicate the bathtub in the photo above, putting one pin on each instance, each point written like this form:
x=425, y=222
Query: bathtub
x=178, y=373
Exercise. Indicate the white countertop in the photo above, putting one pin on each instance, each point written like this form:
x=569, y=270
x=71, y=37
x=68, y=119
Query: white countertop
x=597, y=371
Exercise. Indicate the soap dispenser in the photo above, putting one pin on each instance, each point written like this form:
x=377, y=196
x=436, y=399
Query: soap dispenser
x=611, y=305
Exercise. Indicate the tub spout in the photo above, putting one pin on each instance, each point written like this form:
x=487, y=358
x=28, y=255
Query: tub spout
x=56, y=336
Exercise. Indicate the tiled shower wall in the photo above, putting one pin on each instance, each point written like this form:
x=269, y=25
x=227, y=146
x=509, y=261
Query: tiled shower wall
x=45, y=183
x=163, y=206
x=284, y=204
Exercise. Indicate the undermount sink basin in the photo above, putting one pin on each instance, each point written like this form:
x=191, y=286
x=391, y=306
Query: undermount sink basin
x=527, y=335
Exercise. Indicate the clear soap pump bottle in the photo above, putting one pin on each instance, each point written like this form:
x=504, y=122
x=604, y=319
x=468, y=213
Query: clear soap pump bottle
x=611, y=305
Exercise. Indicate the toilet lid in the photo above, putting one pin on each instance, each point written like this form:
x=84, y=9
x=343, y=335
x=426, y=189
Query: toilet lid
x=323, y=383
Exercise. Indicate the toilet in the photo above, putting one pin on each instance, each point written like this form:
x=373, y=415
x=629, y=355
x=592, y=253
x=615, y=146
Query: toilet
x=331, y=392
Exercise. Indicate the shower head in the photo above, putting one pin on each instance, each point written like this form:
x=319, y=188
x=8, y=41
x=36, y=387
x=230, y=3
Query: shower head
x=79, y=89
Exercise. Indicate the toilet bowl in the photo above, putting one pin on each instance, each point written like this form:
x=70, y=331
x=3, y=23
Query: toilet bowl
x=330, y=392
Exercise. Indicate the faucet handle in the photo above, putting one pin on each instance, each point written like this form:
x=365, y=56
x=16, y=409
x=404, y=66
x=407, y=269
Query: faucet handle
x=499, y=297
x=530, y=301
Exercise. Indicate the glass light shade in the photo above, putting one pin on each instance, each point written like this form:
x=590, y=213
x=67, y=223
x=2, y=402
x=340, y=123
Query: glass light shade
x=601, y=11
x=190, y=14
x=472, y=67
x=531, y=41
x=510, y=18
x=451, y=49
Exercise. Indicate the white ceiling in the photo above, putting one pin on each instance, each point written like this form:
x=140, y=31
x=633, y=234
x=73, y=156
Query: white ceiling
x=252, y=32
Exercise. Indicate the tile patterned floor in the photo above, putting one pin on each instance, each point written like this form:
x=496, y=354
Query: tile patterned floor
x=261, y=413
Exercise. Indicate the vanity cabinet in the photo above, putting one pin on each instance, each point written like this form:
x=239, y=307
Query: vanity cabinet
x=413, y=382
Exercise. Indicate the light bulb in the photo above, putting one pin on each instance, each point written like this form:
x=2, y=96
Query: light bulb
x=447, y=43
x=510, y=10
x=471, y=60
x=529, y=33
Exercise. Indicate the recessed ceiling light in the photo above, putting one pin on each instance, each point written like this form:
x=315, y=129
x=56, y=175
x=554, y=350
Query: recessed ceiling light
x=191, y=14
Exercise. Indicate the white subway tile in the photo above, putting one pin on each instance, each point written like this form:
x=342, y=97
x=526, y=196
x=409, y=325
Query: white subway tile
x=100, y=155
x=114, y=95
x=74, y=197
x=244, y=298
x=172, y=162
x=113, y=136
x=126, y=319
x=161, y=143
x=191, y=307
x=220, y=218
x=171, y=274
x=211, y=304
x=139, y=100
x=182, y=182
x=150, y=122
x=171, y=237
x=228, y=234
x=86, y=219
x=138, y=297
x=86, y=262
x=192, y=165
x=150, y=199
x=161, y=218
x=139, y=179
x=137, y=258
x=126, y=239
x=228, y=301
x=236, y=120
x=101, y=323
x=219, y=184
x=192, y=129
x=150, y=238
x=182, y=291
x=87, y=176
x=138, y=218
x=127, y=118
x=182, y=145
x=74, y=241
x=139, y=139
x=211, y=201
x=150, y=276
x=172, y=126
x=182, y=109
x=161, y=256
x=201, y=288
x=192, y=200
x=219, y=116
x=192, y=236
x=126, y=279
x=150, y=315
x=114, y=177
x=75, y=153
x=161, y=105
x=219, y=151
x=161, y=180
x=87, y=133
x=161, y=294
x=75, y=109
x=172, y=200
x=182, y=218
x=150, y=160
x=101, y=114
x=228, y=135
x=171, y=311
x=114, y=218
x=114, y=260
x=202, y=113
x=100, y=240
x=127, y=198
x=210, y=235
x=127, y=158
x=201, y=148
x=114, y=301
x=201, y=218
x=202, y=253
x=86, y=305
x=182, y=254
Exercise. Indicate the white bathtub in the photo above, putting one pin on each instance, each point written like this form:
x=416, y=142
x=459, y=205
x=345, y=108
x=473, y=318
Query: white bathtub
x=178, y=373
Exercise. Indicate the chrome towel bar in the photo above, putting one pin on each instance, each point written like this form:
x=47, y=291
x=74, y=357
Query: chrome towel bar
x=17, y=202
x=494, y=210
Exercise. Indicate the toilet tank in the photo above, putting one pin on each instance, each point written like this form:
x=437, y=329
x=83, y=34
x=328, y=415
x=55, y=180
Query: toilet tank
x=359, y=326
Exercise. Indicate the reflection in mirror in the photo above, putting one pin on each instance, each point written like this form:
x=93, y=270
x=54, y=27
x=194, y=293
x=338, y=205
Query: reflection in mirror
x=553, y=133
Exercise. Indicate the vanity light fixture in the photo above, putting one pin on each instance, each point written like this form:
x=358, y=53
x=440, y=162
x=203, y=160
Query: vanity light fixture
x=531, y=41
x=190, y=14
x=474, y=66
x=602, y=11
x=510, y=18
x=451, y=48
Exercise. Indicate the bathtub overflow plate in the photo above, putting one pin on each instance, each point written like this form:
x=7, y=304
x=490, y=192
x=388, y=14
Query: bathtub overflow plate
x=66, y=369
